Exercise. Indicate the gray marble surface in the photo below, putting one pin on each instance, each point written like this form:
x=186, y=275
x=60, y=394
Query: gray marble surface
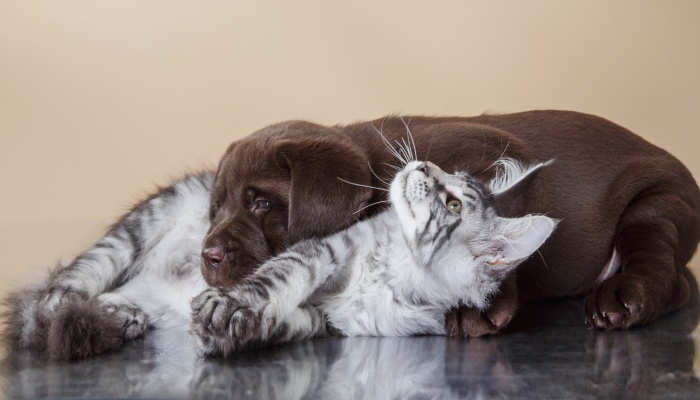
x=547, y=354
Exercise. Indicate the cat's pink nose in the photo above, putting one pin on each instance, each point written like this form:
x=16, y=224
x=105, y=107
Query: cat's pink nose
x=213, y=256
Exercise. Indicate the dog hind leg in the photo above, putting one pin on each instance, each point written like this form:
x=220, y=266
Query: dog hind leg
x=656, y=236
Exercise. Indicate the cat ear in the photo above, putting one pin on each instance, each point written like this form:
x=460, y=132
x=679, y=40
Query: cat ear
x=512, y=174
x=515, y=239
x=510, y=184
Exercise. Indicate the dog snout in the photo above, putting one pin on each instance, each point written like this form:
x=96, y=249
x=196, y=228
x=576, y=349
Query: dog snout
x=213, y=256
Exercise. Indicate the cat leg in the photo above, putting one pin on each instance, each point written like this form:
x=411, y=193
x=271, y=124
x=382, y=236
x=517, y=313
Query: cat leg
x=251, y=330
x=111, y=262
x=84, y=329
x=305, y=322
x=472, y=322
x=273, y=292
x=656, y=237
x=33, y=312
x=114, y=258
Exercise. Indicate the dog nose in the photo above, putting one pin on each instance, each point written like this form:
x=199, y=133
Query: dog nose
x=213, y=256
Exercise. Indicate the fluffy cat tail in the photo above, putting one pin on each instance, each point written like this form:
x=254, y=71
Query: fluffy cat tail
x=82, y=329
x=78, y=329
x=21, y=326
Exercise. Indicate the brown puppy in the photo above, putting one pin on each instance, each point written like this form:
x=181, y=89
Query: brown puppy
x=614, y=192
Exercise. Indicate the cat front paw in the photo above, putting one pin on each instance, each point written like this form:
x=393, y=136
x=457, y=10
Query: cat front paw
x=84, y=329
x=226, y=322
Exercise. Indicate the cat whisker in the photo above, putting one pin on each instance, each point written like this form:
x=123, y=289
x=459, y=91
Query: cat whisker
x=390, y=147
x=402, y=152
x=546, y=266
x=402, y=149
x=503, y=153
x=371, y=170
x=388, y=144
x=410, y=138
x=409, y=149
x=371, y=204
x=361, y=185
x=396, y=167
x=500, y=157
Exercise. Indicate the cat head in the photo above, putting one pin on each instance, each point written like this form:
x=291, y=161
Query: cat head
x=451, y=223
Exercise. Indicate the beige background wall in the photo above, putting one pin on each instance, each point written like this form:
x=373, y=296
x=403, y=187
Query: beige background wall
x=100, y=100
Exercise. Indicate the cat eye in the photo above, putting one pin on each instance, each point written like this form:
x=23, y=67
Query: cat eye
x=454, y=205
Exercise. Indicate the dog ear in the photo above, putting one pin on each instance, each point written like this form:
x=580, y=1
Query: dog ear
x=319, y=202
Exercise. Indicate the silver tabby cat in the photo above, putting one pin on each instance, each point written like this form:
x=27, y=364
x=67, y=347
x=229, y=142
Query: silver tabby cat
x=142, y=274
x=439, y=244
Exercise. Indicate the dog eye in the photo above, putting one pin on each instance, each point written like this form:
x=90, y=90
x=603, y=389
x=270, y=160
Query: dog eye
x=454, y=205
x=262, y=204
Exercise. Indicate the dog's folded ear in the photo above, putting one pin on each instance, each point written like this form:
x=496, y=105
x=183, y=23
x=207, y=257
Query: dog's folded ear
x=320, y=203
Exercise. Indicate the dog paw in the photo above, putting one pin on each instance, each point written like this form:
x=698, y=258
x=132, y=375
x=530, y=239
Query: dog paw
x=225, y=322
x=622, y=301
x=472, y=322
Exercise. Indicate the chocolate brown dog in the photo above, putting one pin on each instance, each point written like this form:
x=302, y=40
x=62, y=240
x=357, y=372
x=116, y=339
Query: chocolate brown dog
x=623, y=203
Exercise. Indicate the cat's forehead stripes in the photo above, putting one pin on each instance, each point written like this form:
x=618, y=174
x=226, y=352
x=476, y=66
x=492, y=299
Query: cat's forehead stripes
x=476, y=187
x=470, y=189
x=469, y=196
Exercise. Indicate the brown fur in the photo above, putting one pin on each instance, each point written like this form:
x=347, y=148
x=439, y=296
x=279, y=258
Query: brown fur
x=610, y=187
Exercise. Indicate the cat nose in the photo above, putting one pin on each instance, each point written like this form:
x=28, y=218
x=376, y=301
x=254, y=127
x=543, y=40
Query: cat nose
x=213, y=256
x=424, y=168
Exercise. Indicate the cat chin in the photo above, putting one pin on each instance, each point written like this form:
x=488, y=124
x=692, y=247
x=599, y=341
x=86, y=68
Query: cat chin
x=397, y=195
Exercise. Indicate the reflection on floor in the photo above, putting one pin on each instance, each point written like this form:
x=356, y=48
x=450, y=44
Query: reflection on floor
x=548, y=354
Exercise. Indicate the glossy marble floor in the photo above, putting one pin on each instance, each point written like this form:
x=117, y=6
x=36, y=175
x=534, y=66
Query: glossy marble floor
x=549, y=354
